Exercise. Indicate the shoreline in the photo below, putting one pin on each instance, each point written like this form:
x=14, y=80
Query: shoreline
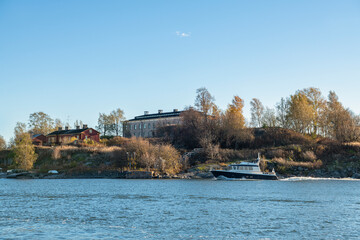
x=147, y=175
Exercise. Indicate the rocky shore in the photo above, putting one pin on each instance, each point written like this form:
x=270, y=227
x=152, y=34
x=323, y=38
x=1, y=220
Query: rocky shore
x=191, y=174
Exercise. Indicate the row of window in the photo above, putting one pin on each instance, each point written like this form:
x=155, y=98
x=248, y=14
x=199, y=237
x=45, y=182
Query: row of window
x=62, y=139
x=241, y=168
x=147, y=125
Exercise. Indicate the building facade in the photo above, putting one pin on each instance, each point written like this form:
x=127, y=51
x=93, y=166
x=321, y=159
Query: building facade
x=64, y=136
x=146, y=125
x=38, y=139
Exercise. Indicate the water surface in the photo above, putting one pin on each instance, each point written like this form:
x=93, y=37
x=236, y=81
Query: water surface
x=179, y=209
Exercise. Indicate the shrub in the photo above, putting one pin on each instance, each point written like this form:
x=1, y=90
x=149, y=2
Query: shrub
x=308, y=156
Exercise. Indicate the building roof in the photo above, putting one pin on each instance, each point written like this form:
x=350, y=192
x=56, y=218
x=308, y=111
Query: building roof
x=156, y=115
x=36, y=135
x=69, y=132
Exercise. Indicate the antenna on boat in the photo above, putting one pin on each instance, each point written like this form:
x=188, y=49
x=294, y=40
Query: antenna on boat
x=258, y=158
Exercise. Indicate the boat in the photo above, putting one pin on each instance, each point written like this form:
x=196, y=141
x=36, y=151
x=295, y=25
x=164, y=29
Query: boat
x=245, y=170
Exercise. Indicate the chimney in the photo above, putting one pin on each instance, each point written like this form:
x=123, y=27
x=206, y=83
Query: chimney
x=59, y=128
x=160, y=111
x=176, y=110
x=78, y=127
x=85, y=126
x=66, y=128
x=146, y=112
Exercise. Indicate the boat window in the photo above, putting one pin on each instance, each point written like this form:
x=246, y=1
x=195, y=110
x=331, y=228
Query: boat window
x=251, y=168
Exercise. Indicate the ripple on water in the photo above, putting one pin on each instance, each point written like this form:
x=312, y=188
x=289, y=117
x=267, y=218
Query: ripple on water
x=90, y=209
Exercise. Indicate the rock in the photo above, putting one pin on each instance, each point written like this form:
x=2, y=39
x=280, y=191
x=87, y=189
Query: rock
x=336, y=174
x=356, y=175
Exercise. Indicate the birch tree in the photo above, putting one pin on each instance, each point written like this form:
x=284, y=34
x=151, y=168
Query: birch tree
x=257, y=111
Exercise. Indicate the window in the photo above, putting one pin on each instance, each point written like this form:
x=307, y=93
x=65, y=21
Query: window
x=85, y=137
x=144, y=125
x=149, y=125
x=135, y=127
x=90, y=131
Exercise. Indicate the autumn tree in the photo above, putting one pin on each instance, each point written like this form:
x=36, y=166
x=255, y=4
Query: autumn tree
x=257, y=111
x=2, y=143
x=40, y=123
x=300, y=114
x=318, y=104
x=234, y=114
x=24, y=151
x=204, y=101
x=343, y=124
x=232, y=123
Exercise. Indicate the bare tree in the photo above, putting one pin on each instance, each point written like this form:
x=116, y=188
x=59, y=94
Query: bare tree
x=257, y=111
x=269, y=118
x=118, y=117
x=282, y=109
x=105, y=124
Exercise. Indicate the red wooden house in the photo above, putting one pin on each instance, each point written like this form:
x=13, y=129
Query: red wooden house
x=38, y=139
x=68, y=135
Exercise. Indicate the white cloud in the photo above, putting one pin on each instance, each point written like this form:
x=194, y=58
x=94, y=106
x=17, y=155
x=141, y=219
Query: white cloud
x=183, y=34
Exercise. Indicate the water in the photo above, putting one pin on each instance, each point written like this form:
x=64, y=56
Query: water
x=179, y=209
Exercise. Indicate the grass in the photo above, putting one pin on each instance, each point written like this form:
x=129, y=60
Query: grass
x=287, y=163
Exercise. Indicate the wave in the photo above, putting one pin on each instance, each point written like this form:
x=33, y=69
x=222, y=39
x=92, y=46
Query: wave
x=317, y=179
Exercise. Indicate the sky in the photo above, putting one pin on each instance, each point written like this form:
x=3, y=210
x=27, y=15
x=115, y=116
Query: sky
x=74, y=59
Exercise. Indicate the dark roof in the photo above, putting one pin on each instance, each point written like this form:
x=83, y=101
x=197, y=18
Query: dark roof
x=156, y=115
x=36, y=135
x=68, y=132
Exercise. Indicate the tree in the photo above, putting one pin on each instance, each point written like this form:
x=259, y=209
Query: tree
x=41, y=123
x=234, y=114
x=2, y=143
x=118, y=117
x=204, y=101
x=257, y=111
x=343, y=124
x=190, y=128
x=282, y=109
x=58, y=123
x=269, y=118
x=24, y=151
x=300, y=114
x=19, y=129
x=105, y=124
x=318, y=104
x=232, y=124
x=78, y=123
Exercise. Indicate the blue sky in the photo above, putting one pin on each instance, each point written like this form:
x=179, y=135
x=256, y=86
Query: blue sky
x=74, y=59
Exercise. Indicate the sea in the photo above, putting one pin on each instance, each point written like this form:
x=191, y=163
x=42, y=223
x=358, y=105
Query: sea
x=295, y=208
